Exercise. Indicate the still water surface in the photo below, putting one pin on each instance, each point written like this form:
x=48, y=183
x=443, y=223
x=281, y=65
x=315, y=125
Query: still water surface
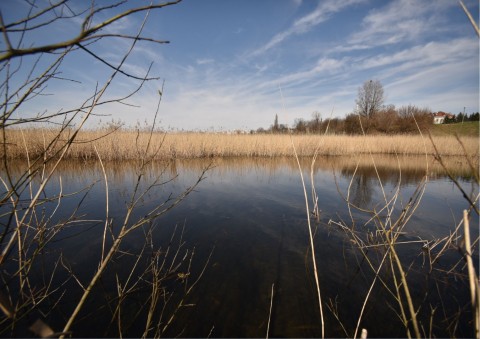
x=249, y=215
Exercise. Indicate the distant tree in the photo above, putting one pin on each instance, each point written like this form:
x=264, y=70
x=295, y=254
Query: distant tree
x=282, y=128
x=461, y=118
x=385, y=120
x=352, y=124
x=275, y=124
x=451, y=120
x=315, y=124
x=335, y=126
x=300, y=126
x=474, y=117
x=326, y=125
x=410, y=116
x=370, y=98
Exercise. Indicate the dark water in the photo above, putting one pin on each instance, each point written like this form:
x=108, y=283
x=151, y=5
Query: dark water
x=246, y=225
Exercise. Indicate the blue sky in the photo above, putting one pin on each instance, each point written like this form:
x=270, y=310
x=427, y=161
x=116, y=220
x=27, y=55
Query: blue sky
x=228, y=60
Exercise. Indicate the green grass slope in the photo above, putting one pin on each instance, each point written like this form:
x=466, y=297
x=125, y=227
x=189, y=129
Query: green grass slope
x=470, y=128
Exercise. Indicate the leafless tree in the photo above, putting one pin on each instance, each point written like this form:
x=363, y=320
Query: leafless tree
x=370, y=98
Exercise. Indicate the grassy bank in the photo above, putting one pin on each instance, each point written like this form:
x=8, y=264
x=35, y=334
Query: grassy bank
x=468, y=128
x=124, y=145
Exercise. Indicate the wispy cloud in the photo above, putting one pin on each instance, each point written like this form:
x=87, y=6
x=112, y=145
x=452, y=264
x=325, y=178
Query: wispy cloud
x=418, y=50
x=204, y=61
x=323, y=12
x=324, y=66
x=399, y=21
x=433, y=53
x=435, y=87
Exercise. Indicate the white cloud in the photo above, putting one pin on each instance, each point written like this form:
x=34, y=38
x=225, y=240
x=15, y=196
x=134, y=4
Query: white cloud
x=400, y=21
x=261, y=68
x=230, y=99
x=416, y=65
x=219, y=108
x=430, y=78
x=427, y=55
x=204, y=61
x=325, y=66
x=306, y=23
x=422, y=88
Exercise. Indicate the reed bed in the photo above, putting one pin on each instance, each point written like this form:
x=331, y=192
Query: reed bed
x=129, y=145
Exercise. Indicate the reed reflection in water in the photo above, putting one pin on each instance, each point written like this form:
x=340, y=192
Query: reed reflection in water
x=251, y=211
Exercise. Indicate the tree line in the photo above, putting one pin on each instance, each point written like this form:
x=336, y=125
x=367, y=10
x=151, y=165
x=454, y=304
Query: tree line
x=462, y=117
x=388, y=120
x=370, y=116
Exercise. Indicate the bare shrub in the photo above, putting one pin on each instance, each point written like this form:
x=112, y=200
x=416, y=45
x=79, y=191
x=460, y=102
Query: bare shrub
x=33, y=282
x=386, y=120
x=412, y=118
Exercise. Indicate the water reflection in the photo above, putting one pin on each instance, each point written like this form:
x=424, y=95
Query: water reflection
x=251, y=211
x=410, y=168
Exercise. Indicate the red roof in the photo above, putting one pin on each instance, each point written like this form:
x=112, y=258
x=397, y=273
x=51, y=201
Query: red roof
x=443, y=114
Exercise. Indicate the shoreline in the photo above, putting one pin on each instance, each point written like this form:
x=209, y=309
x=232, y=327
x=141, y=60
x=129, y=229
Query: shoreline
x=403, y=168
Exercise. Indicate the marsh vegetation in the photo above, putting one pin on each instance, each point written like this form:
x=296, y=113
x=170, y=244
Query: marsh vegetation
x=130, y=145
x=141, y=233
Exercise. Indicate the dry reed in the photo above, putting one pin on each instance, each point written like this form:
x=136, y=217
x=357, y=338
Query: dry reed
x=125, y=145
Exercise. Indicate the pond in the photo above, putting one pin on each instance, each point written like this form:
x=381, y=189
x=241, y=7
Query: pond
x=233, y=258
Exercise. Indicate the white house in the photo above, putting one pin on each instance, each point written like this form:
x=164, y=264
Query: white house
x=439, y=117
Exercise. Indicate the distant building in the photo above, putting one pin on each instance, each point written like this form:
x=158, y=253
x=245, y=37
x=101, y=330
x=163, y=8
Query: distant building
x=439, y=117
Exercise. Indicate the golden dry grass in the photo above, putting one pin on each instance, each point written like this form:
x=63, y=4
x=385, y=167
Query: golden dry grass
x=127, y=145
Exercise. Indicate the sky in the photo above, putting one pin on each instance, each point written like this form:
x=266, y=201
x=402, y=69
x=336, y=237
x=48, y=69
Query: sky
x=235, y=64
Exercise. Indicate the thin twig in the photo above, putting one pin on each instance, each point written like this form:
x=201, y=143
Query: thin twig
x=107, y=218
x=472, y=21
x=472, y=276
x=270, y=312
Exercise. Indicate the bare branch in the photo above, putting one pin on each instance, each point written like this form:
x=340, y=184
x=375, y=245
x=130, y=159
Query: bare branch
x=113, y=67
x=84, y=33
x=472, y=21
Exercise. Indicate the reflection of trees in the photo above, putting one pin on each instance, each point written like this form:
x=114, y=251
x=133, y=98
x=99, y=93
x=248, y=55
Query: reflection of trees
x=392, y=175
x=362, y=190
x=412, y=169
x=366, y=179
